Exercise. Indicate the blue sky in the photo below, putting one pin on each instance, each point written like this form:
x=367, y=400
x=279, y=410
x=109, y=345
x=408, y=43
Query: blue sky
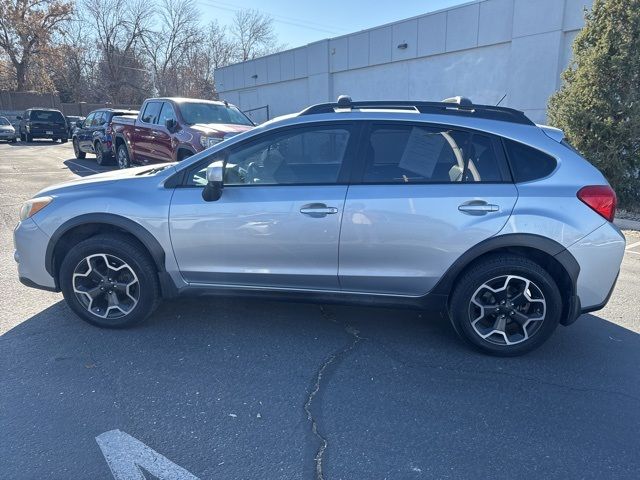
x=298, y=22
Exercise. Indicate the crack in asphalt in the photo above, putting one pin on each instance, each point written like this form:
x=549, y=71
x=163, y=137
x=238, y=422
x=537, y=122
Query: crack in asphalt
x=317, y=386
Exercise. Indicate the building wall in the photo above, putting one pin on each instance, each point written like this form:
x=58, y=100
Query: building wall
x=481, y=50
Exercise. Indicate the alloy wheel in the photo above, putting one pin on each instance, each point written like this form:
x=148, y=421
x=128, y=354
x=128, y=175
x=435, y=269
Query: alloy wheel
x=507, y=310
x=99, y=153
x=123, y=161
x=106, y=286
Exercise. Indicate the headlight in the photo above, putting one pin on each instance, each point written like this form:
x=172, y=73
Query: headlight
x=207, y=142
x=33, y=206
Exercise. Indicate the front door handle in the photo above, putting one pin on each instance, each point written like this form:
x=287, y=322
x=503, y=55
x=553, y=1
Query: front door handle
x=478, y=207
x=318, y=210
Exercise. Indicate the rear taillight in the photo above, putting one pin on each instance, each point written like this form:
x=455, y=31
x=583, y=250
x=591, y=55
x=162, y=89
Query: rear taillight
x=600, y=198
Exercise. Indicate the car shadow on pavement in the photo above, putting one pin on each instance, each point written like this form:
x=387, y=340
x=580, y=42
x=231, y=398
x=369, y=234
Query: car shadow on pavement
x=225, y=387
x=84, y=167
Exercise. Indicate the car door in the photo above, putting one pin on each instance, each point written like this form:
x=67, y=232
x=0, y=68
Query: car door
x=277, y=222
x=94, y=130
x=83, y=134
x=162, y=149
x=143, y=141
x=423, y=195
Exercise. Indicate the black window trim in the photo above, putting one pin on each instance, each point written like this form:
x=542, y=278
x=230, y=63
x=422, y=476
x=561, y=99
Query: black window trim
x=509, y=161
x=360, y=163
x=353, y=146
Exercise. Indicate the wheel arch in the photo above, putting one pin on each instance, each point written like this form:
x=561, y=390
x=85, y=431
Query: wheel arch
x=182, y=148
x=85, y=226
x=549, y=254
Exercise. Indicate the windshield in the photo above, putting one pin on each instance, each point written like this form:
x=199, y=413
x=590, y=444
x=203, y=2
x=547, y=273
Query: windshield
x=4, y=121
x=46, y=116
x=193, y=113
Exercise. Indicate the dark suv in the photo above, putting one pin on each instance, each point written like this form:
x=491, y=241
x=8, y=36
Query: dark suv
x=42, y=123
x=94, y=134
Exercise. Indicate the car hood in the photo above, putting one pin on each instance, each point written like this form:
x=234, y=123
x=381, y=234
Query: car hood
x=129, y=174
x=220, y=129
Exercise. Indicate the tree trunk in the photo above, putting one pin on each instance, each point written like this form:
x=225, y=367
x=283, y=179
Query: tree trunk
x=21, y=75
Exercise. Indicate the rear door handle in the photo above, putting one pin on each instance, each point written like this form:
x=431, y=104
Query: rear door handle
x=317, y=210
x=478, y=207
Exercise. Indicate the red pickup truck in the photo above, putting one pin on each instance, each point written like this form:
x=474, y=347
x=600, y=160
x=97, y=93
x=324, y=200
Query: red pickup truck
x=172, y=129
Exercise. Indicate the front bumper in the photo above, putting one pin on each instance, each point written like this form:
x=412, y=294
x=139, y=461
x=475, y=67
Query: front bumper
x=599, y=255
x=7, y=135
x=30, y=244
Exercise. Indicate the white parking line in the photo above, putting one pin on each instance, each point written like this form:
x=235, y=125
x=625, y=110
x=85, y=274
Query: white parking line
x=629, y=247
x=81, y=166
x=125, y=455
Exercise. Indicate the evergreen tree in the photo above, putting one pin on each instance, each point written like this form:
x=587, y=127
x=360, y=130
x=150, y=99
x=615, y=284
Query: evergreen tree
x=598, y=106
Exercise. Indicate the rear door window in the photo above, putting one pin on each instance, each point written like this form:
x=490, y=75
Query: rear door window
x=151, y=112
x=405, y=153
x=528, y=163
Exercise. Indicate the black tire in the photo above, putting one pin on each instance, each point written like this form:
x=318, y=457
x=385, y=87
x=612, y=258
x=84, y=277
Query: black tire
x=22, y=138
x=63, y=140
x=28, y=138
x=76, y=149
x=493, y=268
x=123, y=159
x=101, y=156
x=116, y=248
x=184, y=154
x=54, y=140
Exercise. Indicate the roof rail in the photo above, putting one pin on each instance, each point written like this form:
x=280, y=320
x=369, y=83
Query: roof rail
x=458, y=106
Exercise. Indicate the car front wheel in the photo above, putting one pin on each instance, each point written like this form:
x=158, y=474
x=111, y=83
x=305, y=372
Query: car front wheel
x=110, y=281
x=505, y=305
x=76, y=150
x=123, y=157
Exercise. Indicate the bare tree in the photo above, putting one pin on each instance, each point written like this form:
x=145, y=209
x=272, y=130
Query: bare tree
x=253, y=34
x=26, y=28
x=120, y=26
x=178, y=33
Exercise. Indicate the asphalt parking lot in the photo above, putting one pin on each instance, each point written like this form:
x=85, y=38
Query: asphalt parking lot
x=235, y=388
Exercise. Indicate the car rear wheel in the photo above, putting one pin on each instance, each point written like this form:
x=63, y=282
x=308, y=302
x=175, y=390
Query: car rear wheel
x=123, y=157
x=101, y=156
x=505, y=305
x=76, y=150
x=110, y=281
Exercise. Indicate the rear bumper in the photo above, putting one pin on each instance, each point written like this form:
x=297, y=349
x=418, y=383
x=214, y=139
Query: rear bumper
x=599, y=255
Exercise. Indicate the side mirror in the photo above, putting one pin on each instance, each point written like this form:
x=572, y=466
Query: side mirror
x=213, y=190
x=170, y=123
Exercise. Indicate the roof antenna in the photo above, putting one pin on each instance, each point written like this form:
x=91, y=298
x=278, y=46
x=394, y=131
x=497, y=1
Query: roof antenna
x=503, y=97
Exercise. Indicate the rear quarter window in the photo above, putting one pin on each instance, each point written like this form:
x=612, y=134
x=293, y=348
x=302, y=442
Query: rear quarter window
x=528, y=163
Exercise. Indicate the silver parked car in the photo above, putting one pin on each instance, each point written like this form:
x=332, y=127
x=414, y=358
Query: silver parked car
x=7, y=131
x=468, y=209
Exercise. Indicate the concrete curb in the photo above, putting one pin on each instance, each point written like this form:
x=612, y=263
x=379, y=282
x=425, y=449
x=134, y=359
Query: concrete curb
x=625, y=224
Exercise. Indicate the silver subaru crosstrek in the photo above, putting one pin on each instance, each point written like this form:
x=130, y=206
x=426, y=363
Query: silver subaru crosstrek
x=470, y=210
